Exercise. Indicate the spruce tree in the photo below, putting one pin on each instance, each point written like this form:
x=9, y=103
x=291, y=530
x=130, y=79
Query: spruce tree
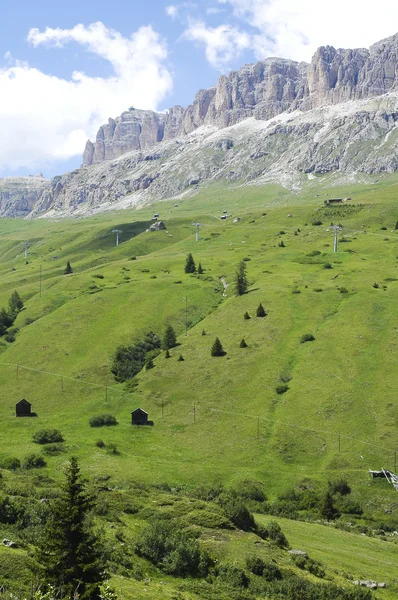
x=243, y=344
x=180, y=358
x=70, y=551
x=167, y=354
x=241, y=283
x=200, y=269
x=68, y=269
x=170, y=338
x=190, y=266
x=15, y=303
x=328, y=509
x=217, y=349
x=246, y=316
x=260, y=311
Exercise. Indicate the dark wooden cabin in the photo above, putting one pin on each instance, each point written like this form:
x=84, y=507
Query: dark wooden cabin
x=23, y=408
x=140, y=417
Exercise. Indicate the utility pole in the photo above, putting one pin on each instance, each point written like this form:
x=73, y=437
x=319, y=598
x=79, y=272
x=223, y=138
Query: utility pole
x=258, y=427
x=26, y=249
x=186, y=315
x=117, y=231
x=194, y=413
x=197, y=225
x=162, y=408
x=339, y=442
x=336, y=229
x=40, y=281
x=395, y=461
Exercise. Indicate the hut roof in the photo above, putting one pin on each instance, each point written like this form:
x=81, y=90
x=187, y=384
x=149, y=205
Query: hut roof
x=139, y=410
x=24, y=402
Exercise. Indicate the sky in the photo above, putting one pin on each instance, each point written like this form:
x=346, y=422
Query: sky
x=67, y=66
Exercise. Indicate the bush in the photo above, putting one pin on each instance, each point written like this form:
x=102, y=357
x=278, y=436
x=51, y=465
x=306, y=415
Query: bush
x=274, y=533
x=233, y=576
x=255, y=565
x=328, y=266
x=33, y=461
x=112, y=449
x=53, y=449
x=239, y=514
x=343, y=290
x=271, y=572
x=10, y=335
x=340, y=486
x=307, y=337
x=11, y=463
x=250, y=489
x=129, y=360
x=47, y=436
x=100, y=444
x=172, y=549
x=103, y=420
x=281, y=388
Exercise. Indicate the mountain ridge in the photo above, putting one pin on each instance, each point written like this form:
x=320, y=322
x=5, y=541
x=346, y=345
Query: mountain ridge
x=337, y=113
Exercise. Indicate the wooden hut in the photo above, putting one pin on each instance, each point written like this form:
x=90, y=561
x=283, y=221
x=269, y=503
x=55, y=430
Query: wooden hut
x=23, y=408
x=140, y=417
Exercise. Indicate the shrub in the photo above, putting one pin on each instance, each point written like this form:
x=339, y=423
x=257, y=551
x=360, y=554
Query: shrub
x=217, y=349
x=274, y=533
x=255, y=565
x=250, y=489
x=103, y=420
x=281, y=388
x=47, y=436
x=328, y=266
x=307, y=337
x=149, y=364
x=239, y=514
x=343, y=290
x=233, y=576
x=246, y=316
x=98, y=275
x=281, y=244
x=11, y=463
x=317, y=223
x=271, y=572
x=328, y=509
x=10, y=335
x=314, y=253
x=203, y=332
x=376, y=285
x=29, y=320
x=242, y=344
x=100, y=444
x=112, y=449
x=340, y=486
x=129, y=360
x=33, y=461
x=260, y=312
x=172, y=549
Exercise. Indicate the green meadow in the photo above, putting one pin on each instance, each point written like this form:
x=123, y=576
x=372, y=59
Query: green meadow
x=217, y=420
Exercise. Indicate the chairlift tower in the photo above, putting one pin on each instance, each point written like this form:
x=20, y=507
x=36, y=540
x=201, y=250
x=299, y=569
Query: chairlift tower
x=336, y=229
x=197, y=225
x=117, y=231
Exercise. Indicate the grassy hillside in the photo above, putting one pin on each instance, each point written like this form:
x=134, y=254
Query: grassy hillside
x=217, y=419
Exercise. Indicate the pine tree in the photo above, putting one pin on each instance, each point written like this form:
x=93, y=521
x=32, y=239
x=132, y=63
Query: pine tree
x=396, y=225
x=328, y=509
x=68, y=269
x=167, y=354
x=260, y=311
x=281, y=244
x=69, y=550
x=246, y=316
x=243, y=344
x=149, y=364
x=203, y=332
x=180, y=358
x=170, y=338
x=200, y=269
x=217, y=349
x=15, y=303
x=241, y=283
x=190, y=266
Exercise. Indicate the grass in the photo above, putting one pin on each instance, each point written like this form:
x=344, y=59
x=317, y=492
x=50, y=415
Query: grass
x=217, y=419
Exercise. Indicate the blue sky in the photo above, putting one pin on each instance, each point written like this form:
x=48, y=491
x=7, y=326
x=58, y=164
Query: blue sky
x=66, y=67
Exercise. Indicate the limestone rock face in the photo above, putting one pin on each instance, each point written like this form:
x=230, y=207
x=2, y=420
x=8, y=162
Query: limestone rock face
x=18, y=195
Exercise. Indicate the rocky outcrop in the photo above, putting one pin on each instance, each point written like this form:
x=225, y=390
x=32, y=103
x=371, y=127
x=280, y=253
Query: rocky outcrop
x=263, y=90
x=18, y=195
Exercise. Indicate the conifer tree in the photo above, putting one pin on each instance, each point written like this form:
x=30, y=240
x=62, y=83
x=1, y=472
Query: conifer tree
x=180, y=358
x=15, y=303
x=260, y=311
x=328, y=509
x=243, y=344
x=241, y=283
x=70, y=551
x=68, y=269
x=190, y=266
x=200, y=269
x=246, y=316
x=217, y=349
x=170, y=338
x=167, y=354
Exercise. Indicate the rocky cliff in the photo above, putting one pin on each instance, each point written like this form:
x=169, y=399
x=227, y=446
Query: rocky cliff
x=275, y=121
x=262, y=91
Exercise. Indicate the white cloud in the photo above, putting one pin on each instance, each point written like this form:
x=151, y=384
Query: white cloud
x=293, y=29
x=222, y=43
x=44, y=118
x=172, y=11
